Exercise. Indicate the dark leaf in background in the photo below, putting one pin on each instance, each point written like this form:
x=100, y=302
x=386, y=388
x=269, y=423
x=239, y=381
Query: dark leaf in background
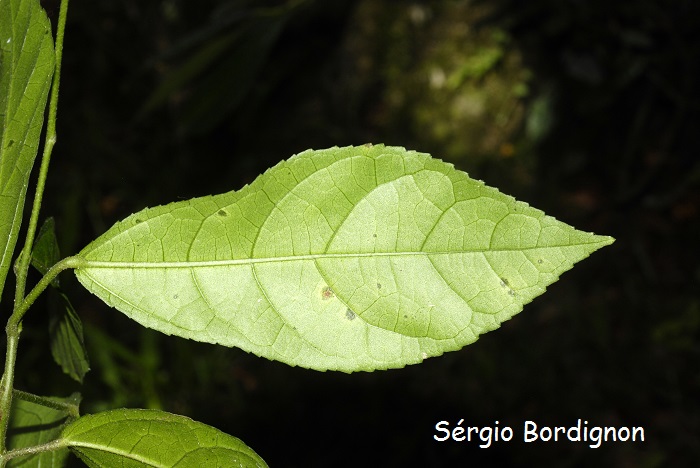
x=46, y=252
x=66, y=335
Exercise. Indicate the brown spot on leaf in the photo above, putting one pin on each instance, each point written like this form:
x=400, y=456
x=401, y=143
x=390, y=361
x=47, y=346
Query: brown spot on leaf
x=327, y=293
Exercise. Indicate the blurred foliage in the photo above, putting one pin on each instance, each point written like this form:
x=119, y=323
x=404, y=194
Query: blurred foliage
x=222, y=61
x=447, y=79
x=587, y=109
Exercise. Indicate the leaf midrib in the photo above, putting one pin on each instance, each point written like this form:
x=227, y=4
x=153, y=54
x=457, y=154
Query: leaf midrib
x=101, y=447
x=291, y=258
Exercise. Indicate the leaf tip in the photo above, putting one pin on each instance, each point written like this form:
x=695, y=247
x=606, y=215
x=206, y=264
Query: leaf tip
x=605, y=240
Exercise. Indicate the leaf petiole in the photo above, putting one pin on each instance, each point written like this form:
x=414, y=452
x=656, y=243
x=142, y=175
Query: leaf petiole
x=44, y=282
x=69, y=407
x=47, y=447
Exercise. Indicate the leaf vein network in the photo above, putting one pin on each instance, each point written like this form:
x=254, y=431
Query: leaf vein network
x=286, y=322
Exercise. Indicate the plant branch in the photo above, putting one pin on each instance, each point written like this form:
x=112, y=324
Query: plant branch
x=14, y=326
x=22, y=303
x=50, y=141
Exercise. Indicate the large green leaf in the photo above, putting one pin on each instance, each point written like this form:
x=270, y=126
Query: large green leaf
x=150, y=438
x=354, y=258
x=26, y=68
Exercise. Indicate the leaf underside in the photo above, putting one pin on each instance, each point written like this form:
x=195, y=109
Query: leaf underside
x=151, y=438
x=355, y=258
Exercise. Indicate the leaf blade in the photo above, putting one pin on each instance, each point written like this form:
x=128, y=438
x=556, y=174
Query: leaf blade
x=66, y=339
x=26, y=69
x=151, y=438
x=46, y=252
x=355, y=258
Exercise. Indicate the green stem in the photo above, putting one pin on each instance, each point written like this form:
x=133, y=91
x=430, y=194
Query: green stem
x=6, y=388
x=22, y=303
x=13, y=329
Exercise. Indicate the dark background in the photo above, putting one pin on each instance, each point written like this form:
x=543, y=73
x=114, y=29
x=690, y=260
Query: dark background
x=587, y=109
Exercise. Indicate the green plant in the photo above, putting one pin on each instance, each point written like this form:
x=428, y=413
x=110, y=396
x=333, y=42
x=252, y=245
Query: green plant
x=355, y=258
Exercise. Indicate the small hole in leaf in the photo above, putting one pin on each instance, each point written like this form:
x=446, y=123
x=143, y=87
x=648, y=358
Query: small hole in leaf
x=349, y=314
x=175, y=296
x=539, y=260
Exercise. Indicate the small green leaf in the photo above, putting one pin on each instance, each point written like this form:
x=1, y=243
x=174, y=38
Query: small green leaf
x=356, y=258
x=67, y=344
x=65, y=327
x=26, y=68
x=33, y=424
x=151, y=438
x=46, y=252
